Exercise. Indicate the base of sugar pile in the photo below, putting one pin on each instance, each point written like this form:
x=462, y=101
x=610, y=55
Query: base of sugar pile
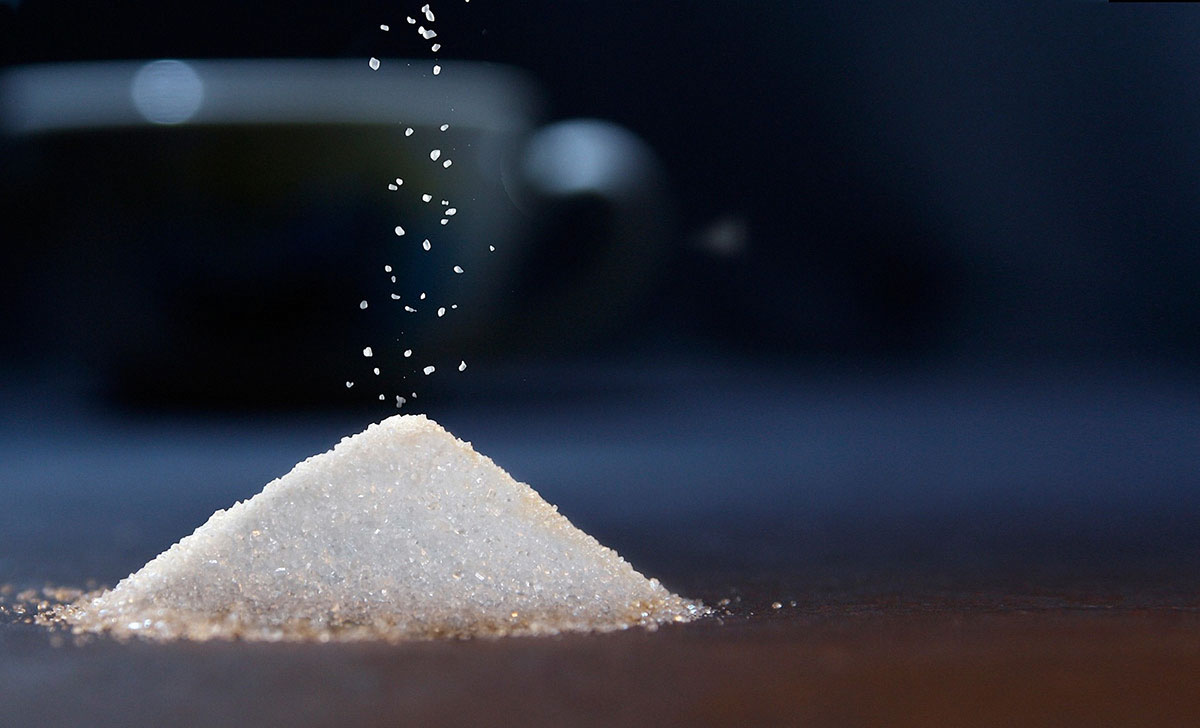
x=399, y=532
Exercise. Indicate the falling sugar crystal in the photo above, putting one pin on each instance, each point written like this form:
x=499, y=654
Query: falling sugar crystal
x=408, y=131
x=444, y=127
x=447, y=163
x=429, y=370
x=400, y=532
x=374, y=64
x=384, y=28
x=368, y=353
x=426, y=244
x=435, y=154
x=363, y=305
x=426, y=198
x=436, y=69
x=462, y=366
x=457, y=269
x=399, y=231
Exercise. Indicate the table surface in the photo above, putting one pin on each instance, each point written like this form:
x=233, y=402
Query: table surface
x=944, y=553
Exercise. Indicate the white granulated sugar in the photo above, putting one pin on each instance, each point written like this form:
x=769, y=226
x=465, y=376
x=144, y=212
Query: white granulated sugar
x=368, y=353
x=381, y=398
x=376, y=370
x=349, y=385
x=410, y=309
x=399, y=181
x=426, y=198
x=436, y=69
x=426, y=244
x=399, y=231
x=443, y=127
x=445, y=220
x=407, y=353
x=445, y=202
x=395, y=296
x=441, y=312
x=428, y=13
x=422, y=296
x=363, y=305
x=434, y=154
x=427, y=33
x=374, y=64
x=392, y=186
x=462, y=366
x=411, y=21
x=451, y=212
x=393, y=279
x=492, y=248
x=429, y=370
x=408, y=131
x=447, y=163
x=400, y=532
x=384, y=28
x=435, y=47
x=458, y=269
x=387, y=269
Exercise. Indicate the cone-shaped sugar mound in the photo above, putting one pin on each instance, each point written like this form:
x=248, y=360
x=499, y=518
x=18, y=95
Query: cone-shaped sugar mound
x=400, y=532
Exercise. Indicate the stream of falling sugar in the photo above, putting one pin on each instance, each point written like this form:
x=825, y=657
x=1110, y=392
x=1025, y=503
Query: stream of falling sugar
x=423, y=21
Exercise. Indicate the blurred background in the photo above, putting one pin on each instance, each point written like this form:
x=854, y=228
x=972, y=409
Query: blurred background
x=816, y=294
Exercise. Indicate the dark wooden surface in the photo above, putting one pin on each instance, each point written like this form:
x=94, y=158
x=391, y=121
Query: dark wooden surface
x=937, y=659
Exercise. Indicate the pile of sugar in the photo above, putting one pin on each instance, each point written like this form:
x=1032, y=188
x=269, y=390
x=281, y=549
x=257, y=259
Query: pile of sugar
x=399, y=532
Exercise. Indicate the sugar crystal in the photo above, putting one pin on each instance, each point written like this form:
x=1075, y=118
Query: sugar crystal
x=371, y=541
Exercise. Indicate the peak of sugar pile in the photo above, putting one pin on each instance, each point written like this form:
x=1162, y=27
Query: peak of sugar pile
x=400, y=532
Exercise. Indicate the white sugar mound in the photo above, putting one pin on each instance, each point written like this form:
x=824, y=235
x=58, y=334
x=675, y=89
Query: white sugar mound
x=399, y=532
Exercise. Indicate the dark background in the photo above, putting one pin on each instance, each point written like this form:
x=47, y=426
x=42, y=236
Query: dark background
x=928, y=297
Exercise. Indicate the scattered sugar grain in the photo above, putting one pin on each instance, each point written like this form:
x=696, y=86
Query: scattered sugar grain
x=444, y=127
x=426, y=198
x=411, y=21
x=349, y=385
x=434, y=154
x=462, y=366
x=422, y=296
x=451, y=212
x=436, y=69
x=410, y=309
x=441, y=311
x=374, y=64
x=435, y=47
x=429, y=370
x=428, y=13
x=387, y=269
x=458, y=269
x=447, y=163
x=392, y=186
x=399, y=231
x=395, y=296
x=376, y=370
x=368, y=353
x=362, y=305
x=408, y=131
x=407, y=353
x=384, y=28
x=425, y=244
